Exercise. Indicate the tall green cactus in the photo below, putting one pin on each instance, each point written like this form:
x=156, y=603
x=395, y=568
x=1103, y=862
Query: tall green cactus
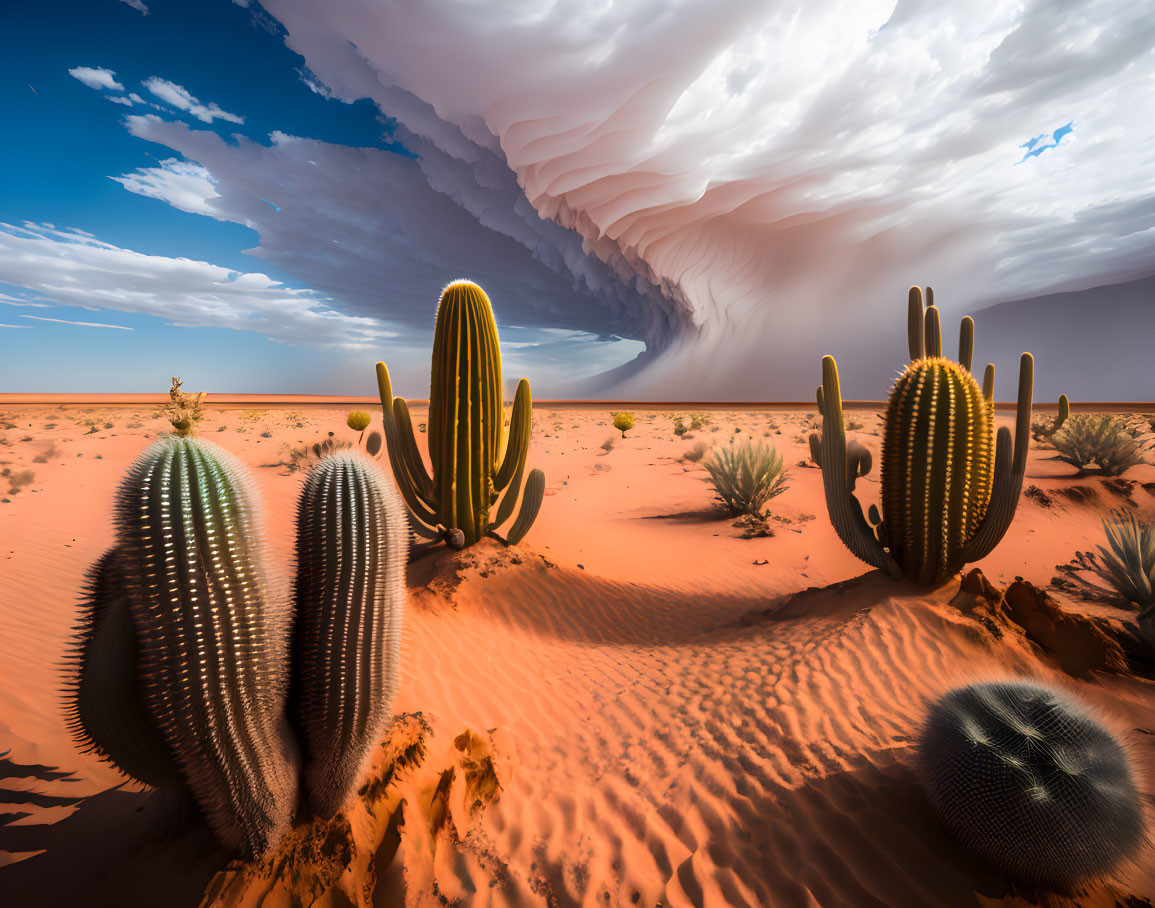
x=352, y=546
x=470, y=466
x=212, y=638
x=946, y=502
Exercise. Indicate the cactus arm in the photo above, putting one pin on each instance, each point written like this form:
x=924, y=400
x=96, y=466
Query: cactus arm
x=933, y=328
x=531, y=498
x=505, y=508
x=966, y=342
x=1010, y=468
x=831, y=455
x=517, y=445
x=914, y=318
x=410, y=456
x=409, y=486
x=1064, y=412
x=989, y=382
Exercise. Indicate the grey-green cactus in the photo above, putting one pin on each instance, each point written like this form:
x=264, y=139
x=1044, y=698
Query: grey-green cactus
x=352, y=545
x=1028, y=779
x=946, y=501
x=212, y=638
x=105, y=708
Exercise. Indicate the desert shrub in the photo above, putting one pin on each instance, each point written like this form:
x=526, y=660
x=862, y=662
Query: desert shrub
x=623, y=421
x=302, y=457
x=358, y=420
x=680, y=427
x=1106, y=442
x=1129, y=562
x=746, y=476
x=182, y=410
x=853, y=425
x=1028, y=779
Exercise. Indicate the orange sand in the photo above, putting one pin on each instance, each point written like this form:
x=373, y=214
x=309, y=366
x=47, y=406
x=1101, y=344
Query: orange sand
x=669, y=725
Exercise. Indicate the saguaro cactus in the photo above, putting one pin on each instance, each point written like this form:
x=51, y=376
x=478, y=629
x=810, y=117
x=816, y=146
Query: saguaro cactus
x=212, y=639
x=471, y=466
x=352, y=545
x=946, y=502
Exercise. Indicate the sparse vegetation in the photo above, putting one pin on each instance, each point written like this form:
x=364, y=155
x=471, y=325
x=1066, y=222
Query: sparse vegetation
x=1129, y=564
x=1087, y=439
x=301, y=458
x=183, y=410
x=745, y=476
x=623, y=421
x=696, y=453
x=358, y=421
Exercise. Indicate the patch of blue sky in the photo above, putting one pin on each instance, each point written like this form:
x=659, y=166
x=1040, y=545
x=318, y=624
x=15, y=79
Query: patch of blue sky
x=1036, y=146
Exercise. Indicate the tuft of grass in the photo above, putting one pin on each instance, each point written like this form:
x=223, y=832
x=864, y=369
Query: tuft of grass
x=1129, y=564
x=623, y=421
x=1087, y=439
x=745, y=476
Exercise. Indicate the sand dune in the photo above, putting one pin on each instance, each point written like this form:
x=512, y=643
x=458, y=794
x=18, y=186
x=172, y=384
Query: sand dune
x=673, y=714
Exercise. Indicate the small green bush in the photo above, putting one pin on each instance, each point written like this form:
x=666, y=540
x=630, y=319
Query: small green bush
x=623, y=421
x=745, y=476
x=1098, y=439
x=358, y=420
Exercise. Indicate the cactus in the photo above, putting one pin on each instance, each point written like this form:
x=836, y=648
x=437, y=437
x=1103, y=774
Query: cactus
x=471, y=467
x=946, y=500
x=212, y=639
x=105, y=709
x=352, y=545
x=1032, y=782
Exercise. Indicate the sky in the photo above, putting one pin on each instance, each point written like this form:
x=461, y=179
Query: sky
x=692, y=199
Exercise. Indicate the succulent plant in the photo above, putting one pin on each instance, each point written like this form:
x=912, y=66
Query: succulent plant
x=1043, y=429
x=947, y=498
x=1028, y=779
x=212, y=640
x=471, y=466
x=352, y=545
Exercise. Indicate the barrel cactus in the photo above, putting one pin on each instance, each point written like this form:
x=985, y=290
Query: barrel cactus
x=473, y=459
x=352, y=545
x=212, y=639
x=947, y=497
x=1028, y=779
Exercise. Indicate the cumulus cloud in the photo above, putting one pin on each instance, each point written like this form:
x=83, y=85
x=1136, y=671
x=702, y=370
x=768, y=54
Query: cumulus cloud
x=179, y=97
x=96, y=77
x=780, y=173
x=73, y=269
x=137, y=5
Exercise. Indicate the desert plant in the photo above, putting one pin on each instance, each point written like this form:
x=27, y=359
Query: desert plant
x=947, y=498
x=1028, y=779
x=623, y=421
x=474, y=460
x=1129, y=565
x=745, y=476
x=210, y=669
x=680, y=427
x=695, y=453
x=307, y=456
x=352, y=545
x=358, y=421
x=1043, y=429
x=183, y=410
x=1099, y=439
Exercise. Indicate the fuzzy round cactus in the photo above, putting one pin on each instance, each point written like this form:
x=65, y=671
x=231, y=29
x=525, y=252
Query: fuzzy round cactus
x=1028, y=779
x=352, y=546
x=212, y=638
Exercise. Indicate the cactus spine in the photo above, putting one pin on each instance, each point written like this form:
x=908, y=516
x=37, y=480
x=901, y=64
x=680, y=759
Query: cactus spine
x=470, y=465
x=946, y=501
x=212, y=641
x=352, y=546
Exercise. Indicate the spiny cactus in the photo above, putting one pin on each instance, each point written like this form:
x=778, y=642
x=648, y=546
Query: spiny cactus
x=352, y=545
x=1043, y=429
x=212, y=638
x=105, y=709
x=471, y=466
x=1032, y=782
x=946, y=500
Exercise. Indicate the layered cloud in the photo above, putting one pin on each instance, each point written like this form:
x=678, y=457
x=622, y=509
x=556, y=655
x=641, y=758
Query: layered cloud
x=764, y=179
x=71, y=268
x=182, y=99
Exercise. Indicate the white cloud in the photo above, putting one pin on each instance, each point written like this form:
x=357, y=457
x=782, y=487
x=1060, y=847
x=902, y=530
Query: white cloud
x=138, y=5
x=784, y=172
x=179, y=97
x=14, y=326
x=96, y=77
x=70, y=269
x=183, y=184
x=64, y=321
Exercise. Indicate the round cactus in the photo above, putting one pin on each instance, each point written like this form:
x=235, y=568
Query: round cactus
x=352, y=546
x=212, y=662
x=1028, y=779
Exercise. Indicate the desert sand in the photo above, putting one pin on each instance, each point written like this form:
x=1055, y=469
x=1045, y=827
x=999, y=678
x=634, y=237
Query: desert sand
x=634, y=706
